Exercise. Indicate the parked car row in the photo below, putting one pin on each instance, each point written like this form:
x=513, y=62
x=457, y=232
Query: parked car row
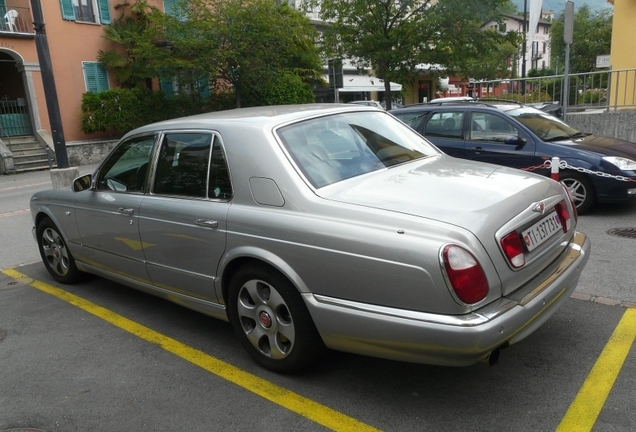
x=600, y=169
x=322, y=226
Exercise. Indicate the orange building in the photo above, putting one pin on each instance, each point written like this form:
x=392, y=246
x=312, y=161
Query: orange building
x=74, y=30
x=622, y=58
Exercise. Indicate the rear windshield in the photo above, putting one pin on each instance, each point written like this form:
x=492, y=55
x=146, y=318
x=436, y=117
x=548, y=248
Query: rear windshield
x=333, y=148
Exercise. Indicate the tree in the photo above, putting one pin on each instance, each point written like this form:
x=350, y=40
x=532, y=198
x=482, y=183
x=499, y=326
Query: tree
x=126, y=30
x=233, y=44
x=394, y=36
x=592, y=36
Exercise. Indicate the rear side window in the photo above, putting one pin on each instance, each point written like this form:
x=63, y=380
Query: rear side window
x=182, y=168
x=413, y=119
x=192, y=164
x=445, y=125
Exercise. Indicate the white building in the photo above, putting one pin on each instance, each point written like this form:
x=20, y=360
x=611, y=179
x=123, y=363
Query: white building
x=537, y=54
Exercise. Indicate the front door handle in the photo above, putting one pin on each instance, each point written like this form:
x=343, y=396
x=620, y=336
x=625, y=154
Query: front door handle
x=126, y=211
x=208, y=223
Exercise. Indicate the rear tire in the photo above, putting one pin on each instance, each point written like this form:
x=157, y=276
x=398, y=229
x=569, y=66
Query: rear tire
x=271, y=320
x=581, y=190
x=57, y=259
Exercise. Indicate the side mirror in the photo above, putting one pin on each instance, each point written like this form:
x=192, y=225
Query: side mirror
x=515, y=140
x=82, y=183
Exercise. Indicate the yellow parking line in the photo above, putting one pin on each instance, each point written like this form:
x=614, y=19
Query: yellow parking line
x=588, y=403
x=294, y=402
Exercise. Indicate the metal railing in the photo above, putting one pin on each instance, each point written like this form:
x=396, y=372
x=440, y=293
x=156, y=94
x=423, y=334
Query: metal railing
x=601, y=90
x=15, y=19
x=14, y=118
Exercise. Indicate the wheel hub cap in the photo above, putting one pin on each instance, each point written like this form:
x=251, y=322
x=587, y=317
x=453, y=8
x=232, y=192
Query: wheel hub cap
x=265, y=319
x=56, y=252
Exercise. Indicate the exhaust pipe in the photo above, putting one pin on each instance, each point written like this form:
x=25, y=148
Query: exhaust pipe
x=493, y=357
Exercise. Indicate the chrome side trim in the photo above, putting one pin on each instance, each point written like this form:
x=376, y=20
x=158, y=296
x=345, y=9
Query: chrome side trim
x=152, y=289
x=468, y=320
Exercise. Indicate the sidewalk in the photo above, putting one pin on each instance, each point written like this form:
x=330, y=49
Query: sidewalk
x=16, y=190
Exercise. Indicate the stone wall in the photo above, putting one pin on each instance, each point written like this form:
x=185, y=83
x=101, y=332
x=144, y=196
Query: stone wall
x=88, y=152
x=617, y=124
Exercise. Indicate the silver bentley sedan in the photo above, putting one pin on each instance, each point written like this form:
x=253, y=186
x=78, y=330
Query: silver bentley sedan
x=321, y=226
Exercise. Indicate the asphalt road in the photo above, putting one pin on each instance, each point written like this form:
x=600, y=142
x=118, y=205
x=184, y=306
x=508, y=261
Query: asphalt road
x=98, y=356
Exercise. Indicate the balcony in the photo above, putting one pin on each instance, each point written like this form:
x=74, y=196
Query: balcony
x=16, y=21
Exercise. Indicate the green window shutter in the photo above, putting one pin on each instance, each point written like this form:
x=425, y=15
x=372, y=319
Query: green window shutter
x=170, y=7
x=90, y=75
x=204, y=88
x=102, y=78
x=68, y=12
x=96, y=77
x=104, y=11
x=166, y=87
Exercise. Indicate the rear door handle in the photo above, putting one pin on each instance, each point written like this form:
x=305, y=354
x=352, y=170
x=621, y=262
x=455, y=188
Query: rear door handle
x=208, y=223
x=126, y=211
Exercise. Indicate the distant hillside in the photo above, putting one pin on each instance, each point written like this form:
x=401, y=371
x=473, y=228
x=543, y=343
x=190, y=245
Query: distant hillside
x=558, y=5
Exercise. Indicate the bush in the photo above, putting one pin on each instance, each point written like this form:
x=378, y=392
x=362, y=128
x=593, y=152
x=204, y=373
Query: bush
x=121, y=110
x=277, y=88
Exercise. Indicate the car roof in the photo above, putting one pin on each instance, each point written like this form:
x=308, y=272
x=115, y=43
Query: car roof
x=256, y=116
x=495, y=104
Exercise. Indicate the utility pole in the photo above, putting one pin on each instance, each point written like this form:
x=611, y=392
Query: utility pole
x=525, y=46
x=568, y=37
x=48, y=81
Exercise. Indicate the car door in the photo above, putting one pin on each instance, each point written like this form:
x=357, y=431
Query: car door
x=107, y=216
x=494, y=138
x=183, y=220
x=445, y=129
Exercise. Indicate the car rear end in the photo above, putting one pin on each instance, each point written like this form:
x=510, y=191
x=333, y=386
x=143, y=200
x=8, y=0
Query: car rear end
x=537, y=255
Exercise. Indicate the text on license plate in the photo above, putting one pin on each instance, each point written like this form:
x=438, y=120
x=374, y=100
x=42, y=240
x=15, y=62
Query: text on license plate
x=541, y=231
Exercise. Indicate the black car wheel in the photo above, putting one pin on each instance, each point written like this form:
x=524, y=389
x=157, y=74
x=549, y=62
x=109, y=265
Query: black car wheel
x=272, y=321
x=580, y=188
x=56, y=257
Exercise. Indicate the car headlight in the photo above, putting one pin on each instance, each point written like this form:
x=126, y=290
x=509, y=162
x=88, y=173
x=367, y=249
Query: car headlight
x=621, y=163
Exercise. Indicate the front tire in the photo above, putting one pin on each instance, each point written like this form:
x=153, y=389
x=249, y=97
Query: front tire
x=271, y=320
x=581, y=190
x=57, y=259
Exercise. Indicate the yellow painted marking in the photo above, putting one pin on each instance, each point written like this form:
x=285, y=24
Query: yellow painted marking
x=14, y=213
x=294, y=402
x=587, y=405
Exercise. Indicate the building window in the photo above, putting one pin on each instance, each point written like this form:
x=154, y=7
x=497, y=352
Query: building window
x=95, y=76
x=92, y=11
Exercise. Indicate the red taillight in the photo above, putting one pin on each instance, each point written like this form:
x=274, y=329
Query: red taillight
x=564, y=215
x=466, y=276
x=513, y=249
x=576, y=214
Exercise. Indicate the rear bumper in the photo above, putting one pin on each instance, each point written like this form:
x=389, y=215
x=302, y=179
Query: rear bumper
x=449, y=340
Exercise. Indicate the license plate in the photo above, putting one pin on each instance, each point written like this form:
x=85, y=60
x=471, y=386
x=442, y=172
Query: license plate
x=540, y=232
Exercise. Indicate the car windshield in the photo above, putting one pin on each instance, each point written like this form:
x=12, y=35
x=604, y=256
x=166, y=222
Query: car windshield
x=547, y=127
x=333, y=148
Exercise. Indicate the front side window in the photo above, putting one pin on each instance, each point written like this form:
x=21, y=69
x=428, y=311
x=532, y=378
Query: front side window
x=126, y=169
x=90, y=11
x=490, y=127
x=447, y=124
x=547, y=127
x=333, y=148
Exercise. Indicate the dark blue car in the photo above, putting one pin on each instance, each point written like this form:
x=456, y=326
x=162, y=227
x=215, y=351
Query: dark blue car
x=595, y=169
